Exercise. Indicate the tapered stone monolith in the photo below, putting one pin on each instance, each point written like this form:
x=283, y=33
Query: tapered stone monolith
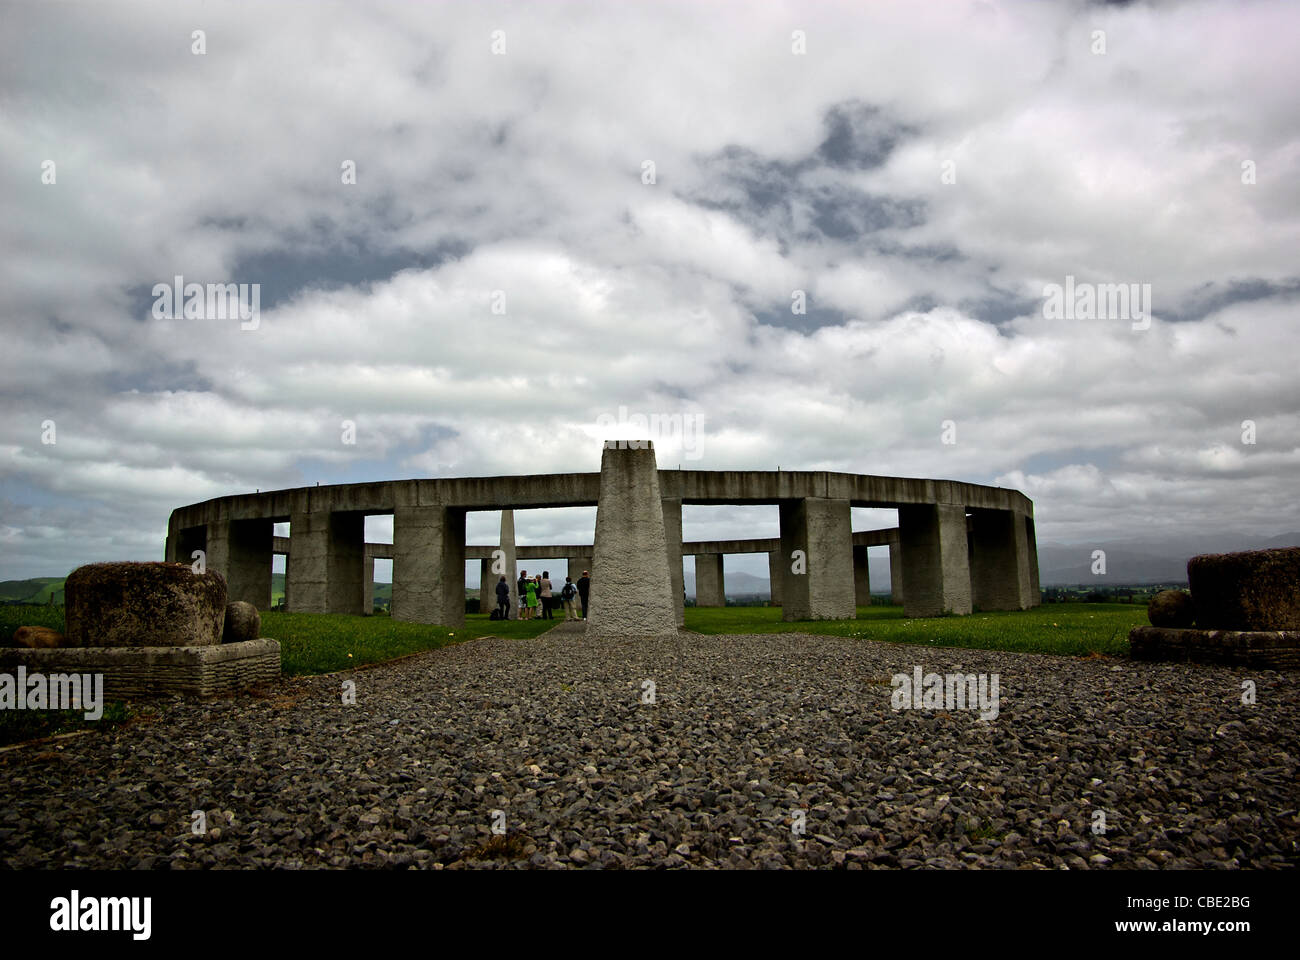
x=509, y=561
x=631, y=586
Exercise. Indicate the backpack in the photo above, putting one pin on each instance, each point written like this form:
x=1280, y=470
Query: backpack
x=568, y=591
x=496, y=614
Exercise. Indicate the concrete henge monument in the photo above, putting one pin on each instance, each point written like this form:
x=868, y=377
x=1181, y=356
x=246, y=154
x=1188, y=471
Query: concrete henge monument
x=957, y=546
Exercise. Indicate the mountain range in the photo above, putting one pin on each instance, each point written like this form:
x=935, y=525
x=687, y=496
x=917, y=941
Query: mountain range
x=1127, y=562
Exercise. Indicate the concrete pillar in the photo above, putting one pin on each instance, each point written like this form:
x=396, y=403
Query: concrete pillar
x=577, y=565
x=818, y=581
x=895, y=572
x=935, y=564
x=999, y=574
x=775, y=576
x=710, y=584
x=286, y=581
x=429, y=565
x=368, y=586
x=1031, y=541
x=240, y=550
x=186, y=542
x=631, y=588
x=673, y=543
x=861, y=577
x=510, y=560
x=487, y=586
x=328, y=556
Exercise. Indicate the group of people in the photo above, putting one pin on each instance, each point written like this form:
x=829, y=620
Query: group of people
x=536, y=594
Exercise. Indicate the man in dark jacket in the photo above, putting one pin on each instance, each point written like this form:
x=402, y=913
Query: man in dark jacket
x=522, y=586
x=503, y=598
x=584, y=587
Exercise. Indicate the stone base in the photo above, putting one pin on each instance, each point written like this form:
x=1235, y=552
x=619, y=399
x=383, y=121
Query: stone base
x=1263, y=649
x=135, y=672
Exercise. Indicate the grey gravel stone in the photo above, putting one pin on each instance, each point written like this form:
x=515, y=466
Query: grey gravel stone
x=744, y=731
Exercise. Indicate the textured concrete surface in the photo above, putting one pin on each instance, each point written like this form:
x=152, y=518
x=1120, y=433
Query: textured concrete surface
x=999, y=561
x=1252, y=590
x=896, y=572
x=129, y=672
x=328, y=577
x=1032, y=542
x=143, y=604
x=775, y=576
x=511, y=551
x=861, y=577
x=822, y=529
x=936, y=565
x=631, y=588
x=328, y=554
x=1258, y=649
x=249, y=576
x=710, y=581
x=583, y=489
x=429, y=565
x=487, y=586
x=673, y=545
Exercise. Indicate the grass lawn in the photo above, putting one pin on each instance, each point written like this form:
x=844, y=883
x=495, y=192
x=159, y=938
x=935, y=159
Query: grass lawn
x=325, y=642
x=1066, y=629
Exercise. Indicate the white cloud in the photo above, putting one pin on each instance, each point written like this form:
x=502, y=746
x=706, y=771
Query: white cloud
x=527, y=169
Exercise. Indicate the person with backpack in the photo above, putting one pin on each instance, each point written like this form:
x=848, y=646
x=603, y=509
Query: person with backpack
x=544, y=591
x=523, y=594
x=584, y=588
x=503, y=599
x=567, y=593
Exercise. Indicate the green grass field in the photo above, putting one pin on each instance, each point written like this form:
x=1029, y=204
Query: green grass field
x=322, y=643
x=1064, y=629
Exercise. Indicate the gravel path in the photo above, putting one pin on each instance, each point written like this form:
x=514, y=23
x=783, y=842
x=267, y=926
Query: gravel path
x=744, y=731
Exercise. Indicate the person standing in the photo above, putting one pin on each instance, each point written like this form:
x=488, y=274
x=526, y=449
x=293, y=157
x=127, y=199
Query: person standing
x=584, y=588
x=567, y=593
x=544, y=591
x=522, y=585
x=531, y=590
x=503, y=598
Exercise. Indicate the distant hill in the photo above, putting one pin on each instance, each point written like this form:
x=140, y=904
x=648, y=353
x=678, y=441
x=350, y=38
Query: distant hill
x=1146, y=561
x=35, y=590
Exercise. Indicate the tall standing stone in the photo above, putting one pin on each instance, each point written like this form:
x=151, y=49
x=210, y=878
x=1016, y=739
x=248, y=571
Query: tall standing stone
x=328, y=555
x=510, y=560
x=710, y=581
x=936, y=559
x=673, y=541
x=240, y=550
x=631, y=589
x=775, y=577
x=1000, y=578
x=861, y=577
x=429, y=564
x=487, y=593
x=817, y=558
x=895, y=570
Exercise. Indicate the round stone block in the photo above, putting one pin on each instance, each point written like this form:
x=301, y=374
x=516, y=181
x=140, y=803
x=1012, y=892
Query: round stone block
x=1171, y=608
x=38, y=638
x=243, y=622
x=143, y=605
x=1255, y=590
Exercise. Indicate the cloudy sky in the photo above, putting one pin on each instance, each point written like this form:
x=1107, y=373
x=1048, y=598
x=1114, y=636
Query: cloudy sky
x=564, y=209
